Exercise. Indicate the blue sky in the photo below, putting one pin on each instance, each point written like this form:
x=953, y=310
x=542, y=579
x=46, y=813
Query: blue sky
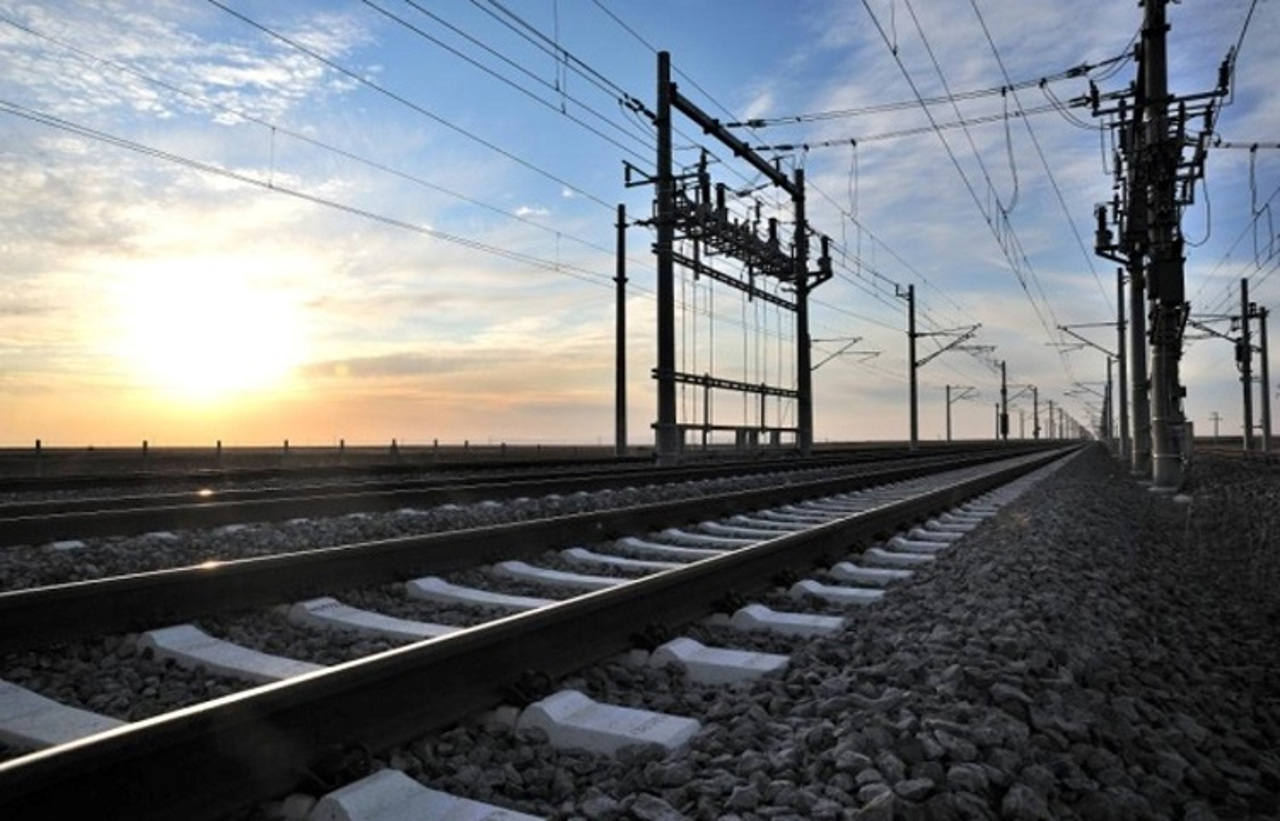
x=368, y=232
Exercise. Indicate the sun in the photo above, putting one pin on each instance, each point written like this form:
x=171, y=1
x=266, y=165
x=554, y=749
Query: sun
x=208, y=329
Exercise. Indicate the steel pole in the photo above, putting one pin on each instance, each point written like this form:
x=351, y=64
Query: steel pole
x=948, y=413
x=1166, y=282
x=666, y=432
x=1266, y=381
x=1244, y=361
x=1004, y=403
x=804, y=370
x=1122, y=377
x=911, y=364
x=1138, y=372
x=620, y=352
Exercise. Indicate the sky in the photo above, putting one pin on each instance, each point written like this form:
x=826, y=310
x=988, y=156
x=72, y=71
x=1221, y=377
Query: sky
x=252, y=221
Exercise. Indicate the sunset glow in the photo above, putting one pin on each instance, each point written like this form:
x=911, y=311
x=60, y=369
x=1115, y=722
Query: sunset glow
x=202, y=331
x=249, y=222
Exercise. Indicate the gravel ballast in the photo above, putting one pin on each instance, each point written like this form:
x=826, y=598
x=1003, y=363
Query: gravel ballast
x=1096, y=652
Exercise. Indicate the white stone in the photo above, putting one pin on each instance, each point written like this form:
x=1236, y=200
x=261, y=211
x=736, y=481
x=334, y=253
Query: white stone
x=191, y=647
x=67, y=544
x=524, y=571
x=434, y=588
x=390, y=795
x=716, y=665
x=759, y=617
x=850, y=572
x=580, y=555
x=574, y=721
x=647, y=548
x=330, y=614
x=884, y=558
x=836, y=594
x=28, y=720
x=705, y=540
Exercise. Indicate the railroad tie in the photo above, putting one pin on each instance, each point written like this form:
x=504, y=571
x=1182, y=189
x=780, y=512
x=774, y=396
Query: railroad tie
x=572, y=720
x=716, y=665
x=390, y=795
x=191, y=647
x=28, y=720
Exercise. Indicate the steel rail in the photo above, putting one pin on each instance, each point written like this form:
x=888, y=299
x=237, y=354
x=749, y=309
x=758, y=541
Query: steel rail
x=38, y=523
x=206, y=761
x=62, y=612
x=208, y=495
x=415, y=462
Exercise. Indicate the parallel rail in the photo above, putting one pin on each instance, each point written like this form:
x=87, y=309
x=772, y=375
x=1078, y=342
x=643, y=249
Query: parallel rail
x=47, y=521
x=206, y=761
x=65, y=612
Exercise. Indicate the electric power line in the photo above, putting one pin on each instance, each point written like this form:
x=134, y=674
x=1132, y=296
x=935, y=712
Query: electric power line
x=366, y=82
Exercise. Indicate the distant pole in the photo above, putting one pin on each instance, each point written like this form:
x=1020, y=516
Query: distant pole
x=1266, y=381
x=1107, y=408
x=948, y=413
x=620, y=355
x=1051, y=429
x=1244, y=360
x=1122, y=378
x=1035, y=412
x=911, y=365
x=1215, y=418
x=1004, y=403
x=997, y=404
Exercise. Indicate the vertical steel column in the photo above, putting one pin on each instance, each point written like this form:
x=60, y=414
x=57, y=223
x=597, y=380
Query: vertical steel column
x=1035, y=412
x=620, y=352
x=1051, y=428
x=804, y=368
x=1244, y=361
x=1122, y=377
x=1108, y=407
x=1266, y=381
x=666, y=432
x=1004, y=403
x=1138, y=372
x=948, y=413
x=911, y=365
x=1165, y=253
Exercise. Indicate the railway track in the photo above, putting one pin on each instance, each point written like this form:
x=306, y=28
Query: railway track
x=211, y=758
x=81, y=517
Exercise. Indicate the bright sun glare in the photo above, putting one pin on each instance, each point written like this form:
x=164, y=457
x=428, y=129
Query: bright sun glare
x=203, y=331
